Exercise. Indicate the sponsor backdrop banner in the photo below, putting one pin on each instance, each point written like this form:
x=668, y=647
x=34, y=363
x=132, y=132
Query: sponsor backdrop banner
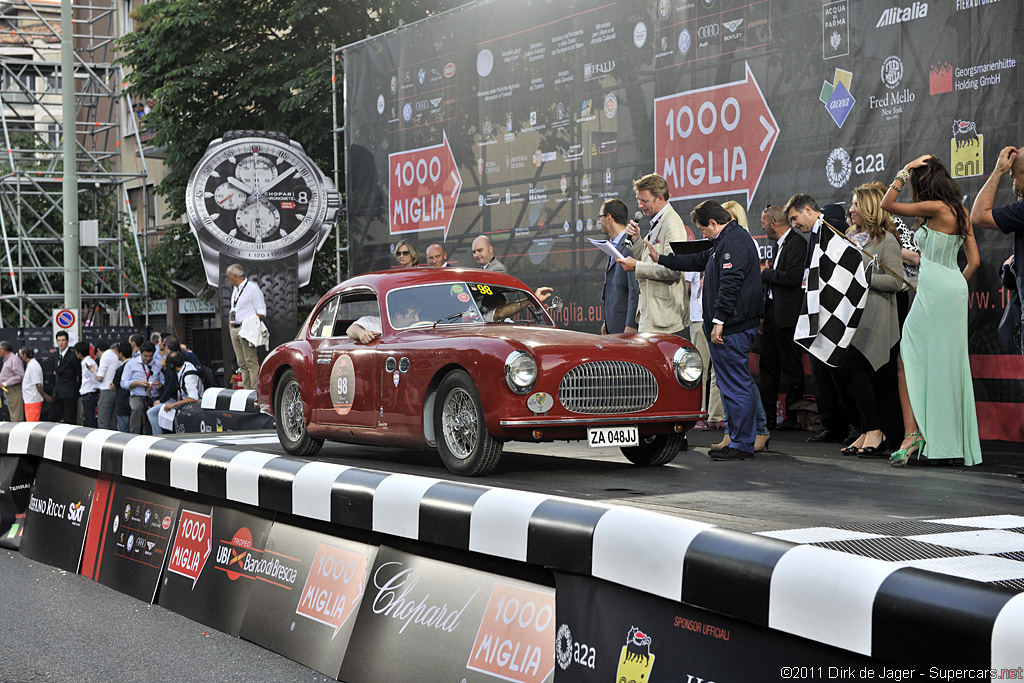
x=58, y=514
x=126, y=541
x=308, y=587
x=610, y=633
x=205, y=578
x=468, y=624
x=519, y=124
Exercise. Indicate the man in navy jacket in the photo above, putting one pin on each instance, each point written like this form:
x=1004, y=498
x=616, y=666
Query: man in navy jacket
x=733, y=302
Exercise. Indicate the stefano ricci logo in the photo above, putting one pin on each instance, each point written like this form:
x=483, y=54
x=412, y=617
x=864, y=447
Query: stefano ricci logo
x=898, y=15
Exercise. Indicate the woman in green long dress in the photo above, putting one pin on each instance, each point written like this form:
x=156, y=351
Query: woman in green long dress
x=936, y=393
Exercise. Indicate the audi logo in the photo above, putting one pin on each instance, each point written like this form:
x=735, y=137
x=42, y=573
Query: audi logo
x=708, y=31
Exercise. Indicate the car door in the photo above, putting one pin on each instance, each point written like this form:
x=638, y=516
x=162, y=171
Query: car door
x=347, y=372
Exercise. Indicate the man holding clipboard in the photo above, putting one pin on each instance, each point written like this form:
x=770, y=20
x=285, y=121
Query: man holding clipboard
x=621, y=294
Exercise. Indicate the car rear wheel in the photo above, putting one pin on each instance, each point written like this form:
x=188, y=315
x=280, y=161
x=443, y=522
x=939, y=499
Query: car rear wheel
x=291, y=422
x=463, y=442
x=655, y=450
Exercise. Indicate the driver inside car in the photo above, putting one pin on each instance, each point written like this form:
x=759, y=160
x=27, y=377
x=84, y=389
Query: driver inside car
x=367, y=328
x=495, y=307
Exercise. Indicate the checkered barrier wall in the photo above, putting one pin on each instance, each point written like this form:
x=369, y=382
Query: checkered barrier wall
x=904, y=615
x=239, y=400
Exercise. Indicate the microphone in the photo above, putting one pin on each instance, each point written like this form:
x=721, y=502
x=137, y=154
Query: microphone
x=638, y=216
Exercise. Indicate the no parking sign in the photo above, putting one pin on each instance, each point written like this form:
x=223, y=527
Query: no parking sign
x=65, y=320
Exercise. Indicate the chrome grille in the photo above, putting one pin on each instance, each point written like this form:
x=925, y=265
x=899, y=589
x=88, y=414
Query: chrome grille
x=607, y=387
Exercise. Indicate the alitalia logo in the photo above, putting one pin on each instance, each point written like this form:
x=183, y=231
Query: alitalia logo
x=897, y=15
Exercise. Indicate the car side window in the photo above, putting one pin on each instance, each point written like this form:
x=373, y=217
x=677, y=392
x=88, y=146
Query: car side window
x=323, y=323
x=352, y=306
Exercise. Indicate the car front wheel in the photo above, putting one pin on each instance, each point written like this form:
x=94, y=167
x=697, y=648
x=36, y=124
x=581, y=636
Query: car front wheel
x=463, y=442
x=655, y=450
x=290, y=419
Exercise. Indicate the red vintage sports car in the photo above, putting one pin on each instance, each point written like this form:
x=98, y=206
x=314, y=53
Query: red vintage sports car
x=467, y=359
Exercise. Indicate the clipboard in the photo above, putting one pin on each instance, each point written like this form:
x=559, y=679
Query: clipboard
x=690, y=246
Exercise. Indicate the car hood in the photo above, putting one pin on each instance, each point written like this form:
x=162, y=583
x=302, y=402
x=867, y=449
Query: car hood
x=540, y=340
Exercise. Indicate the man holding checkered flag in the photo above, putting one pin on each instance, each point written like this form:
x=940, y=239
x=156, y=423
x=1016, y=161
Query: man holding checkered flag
x=834, y=301
x=837, y=288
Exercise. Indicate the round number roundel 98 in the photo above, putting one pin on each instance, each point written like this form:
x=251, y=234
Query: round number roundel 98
x=343, y=384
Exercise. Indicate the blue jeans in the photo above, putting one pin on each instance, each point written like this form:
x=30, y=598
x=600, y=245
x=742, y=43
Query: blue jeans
x=154, y=418
x=739, y=395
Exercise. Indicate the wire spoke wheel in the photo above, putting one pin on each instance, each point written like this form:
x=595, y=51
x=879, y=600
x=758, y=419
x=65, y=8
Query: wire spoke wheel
x=289, y=415
x=463, y=442
x=461, y=423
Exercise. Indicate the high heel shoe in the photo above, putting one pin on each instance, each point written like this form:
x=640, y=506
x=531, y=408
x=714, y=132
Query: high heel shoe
x=899, y=458
x=868, y=451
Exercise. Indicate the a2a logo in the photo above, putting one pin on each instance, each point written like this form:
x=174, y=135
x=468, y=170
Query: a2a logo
x=840, y=166
x=568, y=651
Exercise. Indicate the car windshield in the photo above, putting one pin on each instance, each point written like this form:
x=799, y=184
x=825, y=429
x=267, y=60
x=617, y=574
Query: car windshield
x=459, y=303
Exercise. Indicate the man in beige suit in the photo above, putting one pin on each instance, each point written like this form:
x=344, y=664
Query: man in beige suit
x=664, y=305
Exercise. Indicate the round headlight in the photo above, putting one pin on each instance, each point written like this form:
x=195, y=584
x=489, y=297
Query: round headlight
x=688, y=366
x=520, y=371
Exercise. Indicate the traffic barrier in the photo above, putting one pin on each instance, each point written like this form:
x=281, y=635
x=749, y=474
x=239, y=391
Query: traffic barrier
x=892, y=614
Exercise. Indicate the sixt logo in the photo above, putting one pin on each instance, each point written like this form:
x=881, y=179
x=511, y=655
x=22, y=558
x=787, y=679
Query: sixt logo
x=898, y=15
x=837, y=98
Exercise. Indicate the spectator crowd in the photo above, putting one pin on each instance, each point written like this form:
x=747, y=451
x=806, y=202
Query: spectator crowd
x=135, y=385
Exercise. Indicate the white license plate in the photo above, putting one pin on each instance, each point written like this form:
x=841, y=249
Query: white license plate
x=603, y=437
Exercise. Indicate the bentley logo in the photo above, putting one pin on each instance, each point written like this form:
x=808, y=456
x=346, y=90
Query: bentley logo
x=732, y=25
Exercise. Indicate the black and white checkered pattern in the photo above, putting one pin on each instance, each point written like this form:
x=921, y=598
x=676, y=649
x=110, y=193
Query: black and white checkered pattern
x=229, y=399
x=837, y=288
x=902, y=612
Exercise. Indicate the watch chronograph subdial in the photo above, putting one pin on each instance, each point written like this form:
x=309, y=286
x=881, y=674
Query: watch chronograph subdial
x=258, y=220
x=256, y=171
x=229, y=197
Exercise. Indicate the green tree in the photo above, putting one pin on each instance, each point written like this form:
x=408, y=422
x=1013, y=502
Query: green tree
x=219, y=65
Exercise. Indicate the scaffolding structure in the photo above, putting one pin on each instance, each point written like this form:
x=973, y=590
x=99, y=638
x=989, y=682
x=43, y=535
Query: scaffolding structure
x=31, y=167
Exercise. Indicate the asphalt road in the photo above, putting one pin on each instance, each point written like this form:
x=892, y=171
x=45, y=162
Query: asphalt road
x=63, y=627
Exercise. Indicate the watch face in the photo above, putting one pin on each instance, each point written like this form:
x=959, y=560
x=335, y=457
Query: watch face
x=257, y=198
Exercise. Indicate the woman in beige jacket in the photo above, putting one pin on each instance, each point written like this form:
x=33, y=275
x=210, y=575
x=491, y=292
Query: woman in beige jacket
x=879, y=329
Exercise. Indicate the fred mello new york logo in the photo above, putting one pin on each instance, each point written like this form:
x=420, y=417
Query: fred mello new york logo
x=837, y=98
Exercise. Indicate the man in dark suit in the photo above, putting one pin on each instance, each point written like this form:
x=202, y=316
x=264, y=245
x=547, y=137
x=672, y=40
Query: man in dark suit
x=733, y=304
x=802, y=212
x=620, y=294
x=64, y=402
x=781, y=357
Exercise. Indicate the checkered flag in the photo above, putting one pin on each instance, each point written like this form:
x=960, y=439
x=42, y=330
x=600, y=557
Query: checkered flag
x=837, y=288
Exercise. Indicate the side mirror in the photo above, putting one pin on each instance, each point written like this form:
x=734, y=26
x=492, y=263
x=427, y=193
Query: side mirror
x=555, y=306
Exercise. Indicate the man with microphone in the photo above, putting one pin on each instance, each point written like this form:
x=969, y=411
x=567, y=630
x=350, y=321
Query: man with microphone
x=664, y=306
